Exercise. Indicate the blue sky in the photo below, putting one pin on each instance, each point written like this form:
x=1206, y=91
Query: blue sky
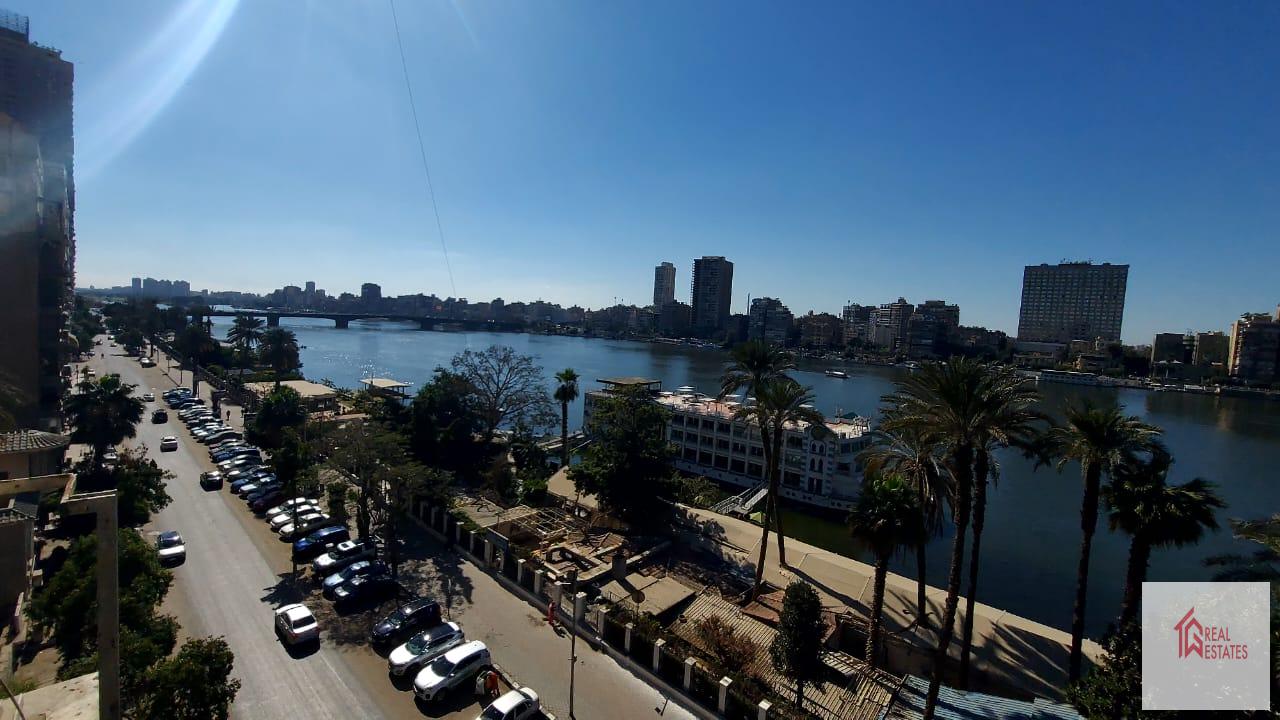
x=833, y=151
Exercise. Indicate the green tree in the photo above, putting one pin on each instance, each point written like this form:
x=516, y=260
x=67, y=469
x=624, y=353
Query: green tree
x=1155, y=514
x=245, y=332
x=628, y=462
x=566, y=392
x=781, y=403
x=1261, y=566
x=910, y=455
x=140, y=488
x=196, y=684
x=727, y=647
x=364, y=452
x=752, y=364
x=281, y=410
x=401, y=485
x=103, y=414
x=942, y=403
x=1098, y=438
x=885, y=520
x=67, y=605
x=1114, y=688
x=444, y=423
x=278, y=348
x=338, y=493
x=507, y=386
x=293, y=464
x=196, y=345
x=132, y=340
x=795, y=650
x=1005, y=419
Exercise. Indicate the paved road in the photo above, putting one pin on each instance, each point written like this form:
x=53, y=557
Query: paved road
x=234, y=573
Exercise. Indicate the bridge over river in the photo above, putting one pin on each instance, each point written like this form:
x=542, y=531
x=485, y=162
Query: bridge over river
x=342, y=320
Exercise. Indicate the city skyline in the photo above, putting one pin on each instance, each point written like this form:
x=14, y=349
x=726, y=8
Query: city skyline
x=557, y=146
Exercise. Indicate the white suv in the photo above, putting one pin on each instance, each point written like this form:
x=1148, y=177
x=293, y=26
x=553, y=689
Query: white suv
x=450, y=670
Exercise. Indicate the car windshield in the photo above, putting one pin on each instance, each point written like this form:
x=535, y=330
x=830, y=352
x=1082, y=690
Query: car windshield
x=492, y=713
x=300, y=622
x=442, y=667
x=168, y=541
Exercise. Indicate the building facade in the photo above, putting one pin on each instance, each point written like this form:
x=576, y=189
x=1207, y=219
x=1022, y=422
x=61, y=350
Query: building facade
x=664, y=285
x=1211, y=349
x=1255, y=348
x=889, y=325
x=769, y=320
x=1171, y=347
x=712, y=294
x=857, y=322
x=1072, y=301
x=37, y=231
x=821, y=331
x=673, y=320
x=707, y=439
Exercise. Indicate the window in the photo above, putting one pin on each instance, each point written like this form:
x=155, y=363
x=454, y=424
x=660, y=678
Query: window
x=757, y=451
x=722, y=427
x=790, y=478
x=722, y=444
x=704, y=458
x=739, y=447
x=722, y=462
x=690, y=454
x=708, y=425
x=753, y=469
x=677, y=420
x=737, y=466
x=795, y=443
x=677, y=435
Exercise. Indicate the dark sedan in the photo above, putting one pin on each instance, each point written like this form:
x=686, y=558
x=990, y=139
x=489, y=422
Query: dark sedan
x=406, y=620
x=318, y=542
x=365, y=589
x=354, y=570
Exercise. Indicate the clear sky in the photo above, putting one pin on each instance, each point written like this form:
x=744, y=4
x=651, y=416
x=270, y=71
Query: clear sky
x=834, y=151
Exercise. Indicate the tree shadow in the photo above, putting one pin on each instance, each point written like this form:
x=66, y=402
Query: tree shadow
x=434, y=572
x=285, y=592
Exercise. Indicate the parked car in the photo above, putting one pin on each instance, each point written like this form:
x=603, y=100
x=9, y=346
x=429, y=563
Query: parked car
x=239, y=461
x=453, y=669
x=342, y=555
x=211, y=480
x=424, y=647
x=168, y=443
x=366, y=589
x=282, y=507
x=110, y=456
x=264, y=501
x=296, y=625
x=260, y=490
x=364, y=567
x=313, y=521
x=159, y=416
x=519, y=704
x=219, y=436
x=257, y=485
x=148, y=397
x=286, y=516
x=405, y=620
x=319, y=541
x=171, y=548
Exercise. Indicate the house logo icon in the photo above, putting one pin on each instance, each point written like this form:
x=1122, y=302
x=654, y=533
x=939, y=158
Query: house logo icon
x=1190, y=635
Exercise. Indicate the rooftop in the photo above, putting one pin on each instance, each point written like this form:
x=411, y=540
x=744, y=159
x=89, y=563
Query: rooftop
x=384, y=384
x=31, y=441
x=844, y=427
x=630, y=381
x=307, y=389
x=956, y=704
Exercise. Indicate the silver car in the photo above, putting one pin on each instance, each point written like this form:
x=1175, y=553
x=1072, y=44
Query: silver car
x=424, y=647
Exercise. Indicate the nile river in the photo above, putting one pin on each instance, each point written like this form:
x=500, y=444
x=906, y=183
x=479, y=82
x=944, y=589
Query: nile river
x=1032, y=535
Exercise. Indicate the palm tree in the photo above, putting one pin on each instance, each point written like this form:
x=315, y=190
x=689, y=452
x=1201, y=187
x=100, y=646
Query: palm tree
x=943, y=402
x=885, y=519
x=911, y=456
x=244, y=335
x=279, y=349
x=1098, y=438
x=566, y=392
x=1006, y=419
x=755, y=363
x=780, y=403
x=1155, y=514
x=103, y=414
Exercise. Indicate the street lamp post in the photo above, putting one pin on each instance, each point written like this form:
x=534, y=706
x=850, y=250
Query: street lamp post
x=573, y=638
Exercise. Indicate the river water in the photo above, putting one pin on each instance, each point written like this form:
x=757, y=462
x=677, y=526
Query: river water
x=1031, y=541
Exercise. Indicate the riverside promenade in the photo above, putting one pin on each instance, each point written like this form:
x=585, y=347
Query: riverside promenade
x=1011, y=656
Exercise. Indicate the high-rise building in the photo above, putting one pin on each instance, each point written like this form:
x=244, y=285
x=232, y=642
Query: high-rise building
x=1072, y=301
x=1255, y=348
x=181, y=288
x=890, y=323
x=137, y=286
x=820, y=330
x=857, y=322
x=770, y=320
x=1170, y=348
x=311, y=287
x=947, y=315
x=712, y=294
x=664, y=285
x=1211, y=348
x=673, y=320
x=37, y=239
x=370, y=292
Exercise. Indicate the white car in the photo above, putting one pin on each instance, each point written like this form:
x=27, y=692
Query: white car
x=168, y=443
x=286, y=516
x=519, y=704
x=170, y=547
x=306, y=523
x=296, y=625
x=287, y=504
x=424, y=647
x=451, y=670
x=149, y=397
